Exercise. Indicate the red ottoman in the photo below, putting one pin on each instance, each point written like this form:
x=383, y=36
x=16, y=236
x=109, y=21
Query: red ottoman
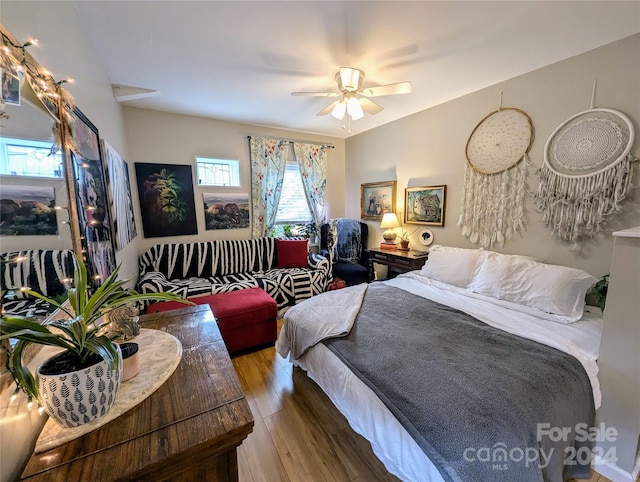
x=246, y=318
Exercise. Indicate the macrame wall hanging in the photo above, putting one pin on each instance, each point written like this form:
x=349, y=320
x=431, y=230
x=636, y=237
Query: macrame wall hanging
x=494, y=181
x=586, y=172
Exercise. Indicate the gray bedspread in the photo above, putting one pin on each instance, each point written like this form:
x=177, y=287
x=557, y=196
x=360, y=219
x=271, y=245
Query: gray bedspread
x=480, y=402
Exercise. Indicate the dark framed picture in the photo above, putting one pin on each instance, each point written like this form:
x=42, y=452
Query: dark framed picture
x=10, y=87
x=96, y=229
x=424, y=205
x=376, y=199
x=226, y=211
x=166, y=199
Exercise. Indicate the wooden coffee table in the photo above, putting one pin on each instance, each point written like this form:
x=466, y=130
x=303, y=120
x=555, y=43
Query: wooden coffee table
x=188, y=429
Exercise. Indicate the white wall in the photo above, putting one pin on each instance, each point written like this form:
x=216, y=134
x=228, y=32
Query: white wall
x=428, y=148
x=165, y=138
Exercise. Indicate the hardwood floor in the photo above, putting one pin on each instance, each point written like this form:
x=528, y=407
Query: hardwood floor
x=299, y=436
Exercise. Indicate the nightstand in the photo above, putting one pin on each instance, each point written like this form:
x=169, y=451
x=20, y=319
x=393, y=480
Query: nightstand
x=397, y=261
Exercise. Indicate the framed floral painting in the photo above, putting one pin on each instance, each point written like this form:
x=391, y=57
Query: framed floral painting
x=424, y=205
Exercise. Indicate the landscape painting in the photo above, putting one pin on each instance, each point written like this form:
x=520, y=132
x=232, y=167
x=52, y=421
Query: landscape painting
x=226, y=211
x=166, y=199
x=27, y=211
x=424, y=205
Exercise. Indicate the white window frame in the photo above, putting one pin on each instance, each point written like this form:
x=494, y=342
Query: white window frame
x=232, y=164
x=6, y=168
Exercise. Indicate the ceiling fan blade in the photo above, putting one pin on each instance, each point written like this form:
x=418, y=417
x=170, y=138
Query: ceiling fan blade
x=328, y=109
x=389, y=89
x=370, y=107
x=318, y=94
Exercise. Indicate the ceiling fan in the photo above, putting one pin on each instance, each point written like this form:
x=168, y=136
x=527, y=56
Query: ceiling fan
x=354, y=99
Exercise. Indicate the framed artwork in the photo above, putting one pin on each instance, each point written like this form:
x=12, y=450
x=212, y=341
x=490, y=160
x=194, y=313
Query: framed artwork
x=124, y=223
x=27, y=211
x=424, y=205
x=376, y=199
x=226, y=211
x=166, y=199
x=96, y=229
x=10, y=87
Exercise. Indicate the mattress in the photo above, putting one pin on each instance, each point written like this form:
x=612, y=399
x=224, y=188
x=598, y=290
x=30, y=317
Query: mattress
x=369, y=417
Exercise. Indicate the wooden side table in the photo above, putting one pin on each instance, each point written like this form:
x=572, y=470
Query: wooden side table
x=187, y=430
x=397, y=261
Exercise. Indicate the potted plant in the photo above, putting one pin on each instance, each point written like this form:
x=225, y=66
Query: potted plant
x=404, y=238
x=80, y=383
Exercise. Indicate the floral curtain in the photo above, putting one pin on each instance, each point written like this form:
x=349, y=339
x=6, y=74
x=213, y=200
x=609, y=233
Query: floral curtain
x=312, y=161
x=268, y=161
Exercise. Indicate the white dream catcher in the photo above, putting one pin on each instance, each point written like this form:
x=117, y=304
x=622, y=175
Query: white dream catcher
x=586, y=172
x=494, y=181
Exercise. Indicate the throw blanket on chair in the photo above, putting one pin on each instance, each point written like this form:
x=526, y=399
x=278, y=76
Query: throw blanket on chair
x=344, y=240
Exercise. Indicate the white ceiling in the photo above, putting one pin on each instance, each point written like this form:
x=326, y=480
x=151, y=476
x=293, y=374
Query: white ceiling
x=239, y=60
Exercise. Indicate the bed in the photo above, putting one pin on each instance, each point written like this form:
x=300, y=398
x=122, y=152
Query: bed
x=506, y=297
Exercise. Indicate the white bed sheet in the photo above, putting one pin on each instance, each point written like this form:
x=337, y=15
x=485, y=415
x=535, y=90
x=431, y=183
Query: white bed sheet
x=369, y=417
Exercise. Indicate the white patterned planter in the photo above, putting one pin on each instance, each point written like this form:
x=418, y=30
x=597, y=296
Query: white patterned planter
x=79, y=397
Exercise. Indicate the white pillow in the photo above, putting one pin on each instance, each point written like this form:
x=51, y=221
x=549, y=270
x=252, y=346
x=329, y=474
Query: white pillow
x=554, y=289
x=454, y=266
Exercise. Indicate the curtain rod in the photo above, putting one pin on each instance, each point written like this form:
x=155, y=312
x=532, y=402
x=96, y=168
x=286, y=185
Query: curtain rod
x=291, y=141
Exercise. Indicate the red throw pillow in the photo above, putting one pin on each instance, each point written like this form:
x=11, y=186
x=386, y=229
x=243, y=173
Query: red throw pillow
x=292, y=253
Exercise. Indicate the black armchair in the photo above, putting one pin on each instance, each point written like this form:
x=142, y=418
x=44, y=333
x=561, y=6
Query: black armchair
x=350, y=257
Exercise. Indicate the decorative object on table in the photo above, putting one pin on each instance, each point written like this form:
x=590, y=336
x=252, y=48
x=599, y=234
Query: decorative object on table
x=166, y=199
x=424, y=205
x=28, y=211
x=586, y=173
x=81, y=383
x=122, y=322
x=494, y=181
x=389, y=222
x=426, y=237
x=119, y=187
x=130, y=360
x=377, y=199
x=96, y=228
x=226, y=210
x=404, y=239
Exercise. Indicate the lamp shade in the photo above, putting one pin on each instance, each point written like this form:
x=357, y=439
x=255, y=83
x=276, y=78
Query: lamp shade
x=389, y=220
x=354, y=109
x=339, y=110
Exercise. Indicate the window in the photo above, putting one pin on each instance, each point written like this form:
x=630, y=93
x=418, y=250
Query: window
x=218, y=172
x=30, y=158
x=293, y=207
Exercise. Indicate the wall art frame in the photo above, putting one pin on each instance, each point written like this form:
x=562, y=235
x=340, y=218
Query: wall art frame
x=119, y=186
x=425, y=205
x=28, y=211
x=92, y=199
x=166, y=199
x=376, y=199
x=226, y=210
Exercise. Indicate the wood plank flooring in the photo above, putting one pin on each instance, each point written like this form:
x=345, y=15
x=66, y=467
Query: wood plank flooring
x=299, y=436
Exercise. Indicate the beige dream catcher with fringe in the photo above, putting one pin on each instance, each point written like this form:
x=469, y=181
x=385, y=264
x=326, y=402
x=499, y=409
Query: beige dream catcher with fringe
x=586, y=173
x=495, y=176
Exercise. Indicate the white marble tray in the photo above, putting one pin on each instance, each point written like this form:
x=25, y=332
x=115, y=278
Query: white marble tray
x=160, y=354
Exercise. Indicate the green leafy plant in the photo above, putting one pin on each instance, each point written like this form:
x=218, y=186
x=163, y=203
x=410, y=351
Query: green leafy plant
x=597, y=296
x=79, y=334
x=405, y=235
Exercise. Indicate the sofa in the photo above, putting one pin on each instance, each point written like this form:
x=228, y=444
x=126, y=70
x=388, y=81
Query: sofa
x=284, y=269
x=43, y=271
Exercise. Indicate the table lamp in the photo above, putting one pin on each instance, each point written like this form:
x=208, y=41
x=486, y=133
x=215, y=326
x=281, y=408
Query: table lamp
x=389, y=221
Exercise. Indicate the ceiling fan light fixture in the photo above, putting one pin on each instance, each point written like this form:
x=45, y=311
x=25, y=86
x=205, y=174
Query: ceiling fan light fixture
x=351, y=79
x=354, y=109
x=339, y=110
